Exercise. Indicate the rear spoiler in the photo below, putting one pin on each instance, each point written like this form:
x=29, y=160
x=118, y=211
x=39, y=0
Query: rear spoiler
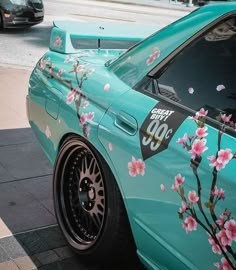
x=63, y=33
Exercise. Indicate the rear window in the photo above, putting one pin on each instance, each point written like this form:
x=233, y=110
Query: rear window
x=87, y=43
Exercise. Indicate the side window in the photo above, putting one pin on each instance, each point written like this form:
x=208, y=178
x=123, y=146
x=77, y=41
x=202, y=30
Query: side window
x=204, y=73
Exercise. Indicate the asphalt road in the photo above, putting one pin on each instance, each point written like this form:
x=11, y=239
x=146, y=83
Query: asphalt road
x=24, y=47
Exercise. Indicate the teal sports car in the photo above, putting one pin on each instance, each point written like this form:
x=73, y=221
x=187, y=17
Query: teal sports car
x=140, y=128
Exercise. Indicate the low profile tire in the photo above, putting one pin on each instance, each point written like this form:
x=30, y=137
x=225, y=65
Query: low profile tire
x=88, y=205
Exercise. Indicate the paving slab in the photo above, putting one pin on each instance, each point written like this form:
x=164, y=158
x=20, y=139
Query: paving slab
x=25, y=263
x=24, y=160
x=20, y=210
x=16, y=136
x=5, y=176
x=8, y=265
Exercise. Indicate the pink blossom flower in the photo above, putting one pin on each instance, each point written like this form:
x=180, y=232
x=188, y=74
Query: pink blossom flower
x=140, y=167
x=201, y=132
x=221, y=220
x=191, y=90
x=48, y=132
x=78, y=68
x=182, y=140
x=57, y=42
x=230, y=229
x=218, y=192
x=198, y=147
x=232, y=124
x=107, y=87
x=162, y=187
x=224, y=156
x=225, y=265
x=90, y=116
x=214, y=246
x=202, y=113
x=225, y=118
x=179, y=180
x=136, y=167
x=212, y=161
x=216, y=163
x=83, y=119
x=218, y=266
x=152, y=57
x=192, y=196
x=132, y=167
x=220, y=87
x=183, y=208
x=190, y=224
x=110, y=146
x=71, y=96
x=174, y=187
x=85, y=103
x=223, y=239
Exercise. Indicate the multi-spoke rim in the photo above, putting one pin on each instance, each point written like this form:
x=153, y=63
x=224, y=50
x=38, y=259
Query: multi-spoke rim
x=82, y=195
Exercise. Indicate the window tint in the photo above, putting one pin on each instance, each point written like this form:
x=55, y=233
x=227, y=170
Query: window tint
x=204, y=74
x=84, y=43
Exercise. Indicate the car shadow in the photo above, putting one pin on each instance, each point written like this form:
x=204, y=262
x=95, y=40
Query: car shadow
x=29, y=235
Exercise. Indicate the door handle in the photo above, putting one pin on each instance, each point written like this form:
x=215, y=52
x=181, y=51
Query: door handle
x=126, y=122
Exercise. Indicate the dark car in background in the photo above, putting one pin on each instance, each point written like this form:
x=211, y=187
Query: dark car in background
x=20, y=13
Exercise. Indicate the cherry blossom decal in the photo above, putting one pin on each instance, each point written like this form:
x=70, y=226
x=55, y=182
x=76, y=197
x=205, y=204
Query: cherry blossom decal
x=110, y=146
x=57, y=42
x=196, y=213
x=136, y=167
x=107, y=87
x=48, y=132
x=220, y=87
x=75, y=94
x=152, y=57
x=191, y=90
x=162, y=187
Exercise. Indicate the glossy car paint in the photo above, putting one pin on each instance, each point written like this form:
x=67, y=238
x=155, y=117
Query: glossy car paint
x=19, y=15
x=161, y=241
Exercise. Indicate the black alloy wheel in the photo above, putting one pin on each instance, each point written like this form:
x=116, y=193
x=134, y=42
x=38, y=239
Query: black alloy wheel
x=88, y=204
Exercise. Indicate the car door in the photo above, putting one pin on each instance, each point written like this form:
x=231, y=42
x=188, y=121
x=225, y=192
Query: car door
x=172, y=143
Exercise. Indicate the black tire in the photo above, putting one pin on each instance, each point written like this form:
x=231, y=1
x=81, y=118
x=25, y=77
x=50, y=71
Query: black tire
x=88, y=205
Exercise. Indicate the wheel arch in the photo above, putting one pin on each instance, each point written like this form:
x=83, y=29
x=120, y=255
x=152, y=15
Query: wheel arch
x=101, y=150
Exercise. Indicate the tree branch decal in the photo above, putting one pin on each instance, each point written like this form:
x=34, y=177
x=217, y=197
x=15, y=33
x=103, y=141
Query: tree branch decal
x=220, y=230
x=75, y=94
